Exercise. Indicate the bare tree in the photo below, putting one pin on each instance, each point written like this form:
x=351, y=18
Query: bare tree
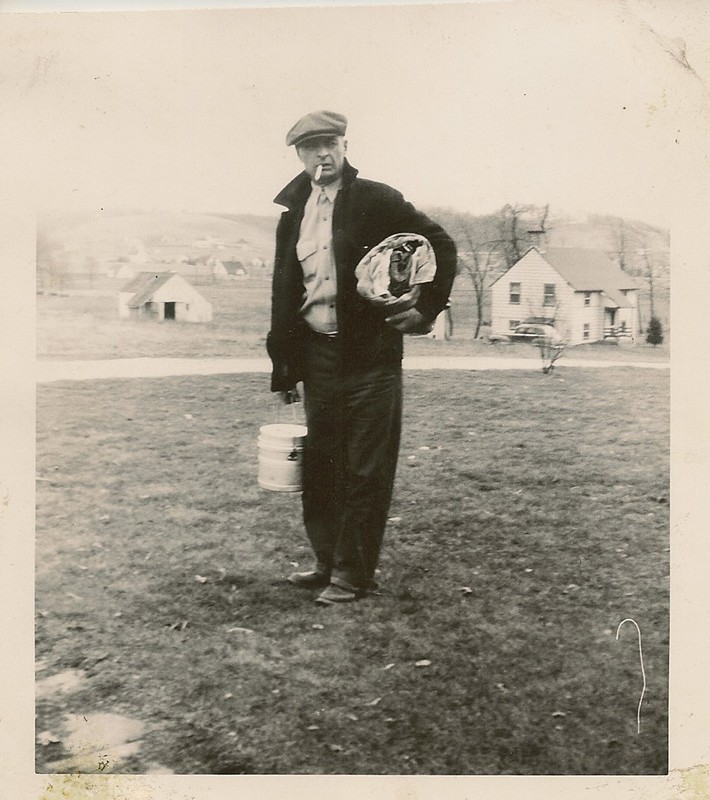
x=479, y=264
x=479, y=252
x=91, y=265
x=509, y=234
x=624, y=243
x=653, y=261
x=52, y=264
x=490, y=244
x=549, y=352
x=629, y=240
x=518, y=228
x=620, y=242
x=649, y=275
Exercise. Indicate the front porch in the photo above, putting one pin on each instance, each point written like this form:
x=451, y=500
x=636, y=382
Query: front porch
x=617, y=331
x=619, y=322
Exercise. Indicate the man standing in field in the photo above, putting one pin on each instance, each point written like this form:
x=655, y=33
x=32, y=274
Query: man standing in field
x=347, y=352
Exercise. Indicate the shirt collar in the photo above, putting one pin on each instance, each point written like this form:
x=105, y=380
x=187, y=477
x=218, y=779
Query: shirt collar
x=298, y=190
x=331, y=189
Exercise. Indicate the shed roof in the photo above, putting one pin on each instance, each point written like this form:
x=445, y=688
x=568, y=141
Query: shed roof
x=141, y=280
x=146, y=284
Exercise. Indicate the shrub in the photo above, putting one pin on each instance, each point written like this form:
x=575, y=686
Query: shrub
x=654, y=335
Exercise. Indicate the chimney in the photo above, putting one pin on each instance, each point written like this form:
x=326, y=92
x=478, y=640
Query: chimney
x=538, y=237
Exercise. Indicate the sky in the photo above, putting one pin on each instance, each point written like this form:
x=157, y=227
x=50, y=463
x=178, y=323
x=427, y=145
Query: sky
x=466, y=106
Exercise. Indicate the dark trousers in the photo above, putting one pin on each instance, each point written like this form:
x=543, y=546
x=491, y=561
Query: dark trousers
x=350, y=458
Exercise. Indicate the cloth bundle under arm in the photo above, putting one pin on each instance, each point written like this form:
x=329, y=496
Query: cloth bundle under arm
x=395, y=268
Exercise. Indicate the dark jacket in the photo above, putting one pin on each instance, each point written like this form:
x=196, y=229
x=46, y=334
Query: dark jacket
x=365, y=213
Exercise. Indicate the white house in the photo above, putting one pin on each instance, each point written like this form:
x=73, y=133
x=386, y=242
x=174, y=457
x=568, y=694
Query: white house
x=581, y=292
x=163, y=296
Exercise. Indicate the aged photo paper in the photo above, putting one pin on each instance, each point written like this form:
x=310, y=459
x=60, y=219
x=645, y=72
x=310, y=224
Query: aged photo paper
x=600, y=107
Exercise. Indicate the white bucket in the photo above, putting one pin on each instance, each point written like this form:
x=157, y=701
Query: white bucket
x=281, y=457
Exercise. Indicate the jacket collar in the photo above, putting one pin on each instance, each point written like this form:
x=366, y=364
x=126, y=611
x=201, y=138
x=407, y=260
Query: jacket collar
x=297, y=191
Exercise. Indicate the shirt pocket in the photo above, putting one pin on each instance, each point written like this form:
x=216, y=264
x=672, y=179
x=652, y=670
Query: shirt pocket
x=305, y=252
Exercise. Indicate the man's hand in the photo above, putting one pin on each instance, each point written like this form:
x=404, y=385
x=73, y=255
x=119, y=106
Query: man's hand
x=409, y=321
x=290, y=396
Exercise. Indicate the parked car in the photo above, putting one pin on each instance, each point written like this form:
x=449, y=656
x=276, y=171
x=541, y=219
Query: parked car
x=526, y=332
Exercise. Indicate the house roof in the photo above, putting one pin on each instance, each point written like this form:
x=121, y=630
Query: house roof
x=592, y=271
x=145, y=285
x=588, y=270
x=618, y=300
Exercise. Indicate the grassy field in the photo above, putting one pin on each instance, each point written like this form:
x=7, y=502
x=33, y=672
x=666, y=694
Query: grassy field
x=530, y=518
x=87, y=326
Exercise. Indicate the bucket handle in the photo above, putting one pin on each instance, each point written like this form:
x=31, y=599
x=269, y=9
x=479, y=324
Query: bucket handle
x=280, y=407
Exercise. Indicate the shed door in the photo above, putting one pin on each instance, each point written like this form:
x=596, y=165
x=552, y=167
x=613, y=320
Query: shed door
x=170, y=311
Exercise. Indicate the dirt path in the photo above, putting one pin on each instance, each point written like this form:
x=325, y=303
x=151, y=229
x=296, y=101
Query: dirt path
x=49, y=371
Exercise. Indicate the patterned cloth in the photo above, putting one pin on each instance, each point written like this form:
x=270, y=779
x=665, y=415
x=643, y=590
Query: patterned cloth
x=395, y=267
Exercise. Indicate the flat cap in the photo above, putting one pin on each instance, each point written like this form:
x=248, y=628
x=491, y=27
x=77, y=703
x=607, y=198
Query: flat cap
x=317, y=123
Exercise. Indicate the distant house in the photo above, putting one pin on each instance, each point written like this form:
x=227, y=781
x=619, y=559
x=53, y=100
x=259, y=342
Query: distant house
x=235, y=269
x=163, y=296
x=227, y=270
x=218, y=269
x=581, y=292
x=209, y=241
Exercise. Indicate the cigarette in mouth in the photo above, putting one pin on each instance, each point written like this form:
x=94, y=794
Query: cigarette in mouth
x=319, y=169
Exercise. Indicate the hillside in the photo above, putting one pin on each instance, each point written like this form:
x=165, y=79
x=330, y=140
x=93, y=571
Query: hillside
x=109, y=243
x=619, y=238
x=610, y=234
x=155, y=238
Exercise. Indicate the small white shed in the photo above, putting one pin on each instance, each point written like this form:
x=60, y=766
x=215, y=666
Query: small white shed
x=163, y=296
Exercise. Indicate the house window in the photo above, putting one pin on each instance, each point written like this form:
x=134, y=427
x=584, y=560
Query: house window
x=513, y=323
x=587, y=298
x=585, y=331
x=548, y=298
x=515, y=294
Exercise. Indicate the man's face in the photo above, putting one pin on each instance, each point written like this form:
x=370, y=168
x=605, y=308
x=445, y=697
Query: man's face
x=328, y=152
